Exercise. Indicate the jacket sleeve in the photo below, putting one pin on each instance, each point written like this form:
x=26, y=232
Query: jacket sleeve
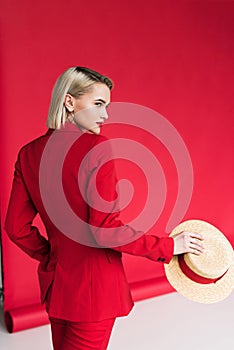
x=106, y=226
x=20, y=214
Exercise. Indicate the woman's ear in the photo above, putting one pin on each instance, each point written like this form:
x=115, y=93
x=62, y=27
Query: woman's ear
x=69, y=102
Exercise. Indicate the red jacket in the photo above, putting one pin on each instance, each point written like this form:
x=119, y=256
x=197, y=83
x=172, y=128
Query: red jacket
x=87, y=283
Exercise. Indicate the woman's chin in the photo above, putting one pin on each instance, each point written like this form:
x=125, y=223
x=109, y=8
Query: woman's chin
x=95, y=130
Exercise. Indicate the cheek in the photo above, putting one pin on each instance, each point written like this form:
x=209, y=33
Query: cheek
x=87, y=118
x=88, y=115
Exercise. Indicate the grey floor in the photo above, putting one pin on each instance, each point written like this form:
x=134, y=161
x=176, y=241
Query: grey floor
x=162, y=323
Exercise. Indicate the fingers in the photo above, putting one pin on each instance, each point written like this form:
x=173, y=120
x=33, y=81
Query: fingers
x=194, y=242
x=194, y=235
x=196, y=248
x=188, y=242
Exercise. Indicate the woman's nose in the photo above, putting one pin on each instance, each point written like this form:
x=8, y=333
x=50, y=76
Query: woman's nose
x=105, y=114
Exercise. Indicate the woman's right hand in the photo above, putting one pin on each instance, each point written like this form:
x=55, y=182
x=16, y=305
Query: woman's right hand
x=188, y=242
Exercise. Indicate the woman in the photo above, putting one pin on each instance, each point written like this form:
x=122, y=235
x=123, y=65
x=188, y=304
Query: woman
x=83, y=284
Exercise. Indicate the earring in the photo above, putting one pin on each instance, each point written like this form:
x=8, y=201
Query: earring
x=71, y=117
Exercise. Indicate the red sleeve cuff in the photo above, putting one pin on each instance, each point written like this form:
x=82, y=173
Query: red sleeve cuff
x=165, y=250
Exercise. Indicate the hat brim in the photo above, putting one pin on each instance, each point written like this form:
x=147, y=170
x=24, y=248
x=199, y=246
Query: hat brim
x=201, y=293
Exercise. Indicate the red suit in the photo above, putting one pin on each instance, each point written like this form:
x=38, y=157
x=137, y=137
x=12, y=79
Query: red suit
x=88, y=284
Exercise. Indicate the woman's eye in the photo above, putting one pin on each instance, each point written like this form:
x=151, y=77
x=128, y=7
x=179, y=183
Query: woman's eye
x=98, y=104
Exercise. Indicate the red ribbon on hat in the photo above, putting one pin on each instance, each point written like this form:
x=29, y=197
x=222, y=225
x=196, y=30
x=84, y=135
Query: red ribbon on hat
x=192, y=275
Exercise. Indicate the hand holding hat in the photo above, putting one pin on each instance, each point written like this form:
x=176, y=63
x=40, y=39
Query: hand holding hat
x=188, y=242
x=207, y=277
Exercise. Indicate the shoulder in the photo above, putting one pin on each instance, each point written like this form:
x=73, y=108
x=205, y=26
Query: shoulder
x=38, y=142
x=101, y=143
x=95, y=139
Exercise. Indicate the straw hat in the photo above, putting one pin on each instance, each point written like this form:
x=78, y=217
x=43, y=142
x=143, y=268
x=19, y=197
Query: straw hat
x=209, y=277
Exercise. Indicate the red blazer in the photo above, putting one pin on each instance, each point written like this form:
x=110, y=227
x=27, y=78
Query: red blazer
x=85, y=283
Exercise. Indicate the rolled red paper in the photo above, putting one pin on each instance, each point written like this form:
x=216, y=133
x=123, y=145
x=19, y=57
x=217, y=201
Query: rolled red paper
x=150, y=288
x=30, y=316
x=25, y=317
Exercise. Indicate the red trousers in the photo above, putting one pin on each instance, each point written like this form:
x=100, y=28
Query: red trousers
x=68, y=335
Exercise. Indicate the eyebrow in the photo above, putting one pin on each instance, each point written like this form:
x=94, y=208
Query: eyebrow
x=100, y=99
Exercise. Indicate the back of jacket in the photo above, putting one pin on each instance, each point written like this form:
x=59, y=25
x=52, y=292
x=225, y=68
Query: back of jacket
x=81, y=278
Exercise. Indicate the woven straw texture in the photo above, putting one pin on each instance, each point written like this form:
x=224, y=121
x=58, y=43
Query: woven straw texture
x=214, y=262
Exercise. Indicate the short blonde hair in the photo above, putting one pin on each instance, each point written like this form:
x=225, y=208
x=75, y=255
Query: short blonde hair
x=75, y=81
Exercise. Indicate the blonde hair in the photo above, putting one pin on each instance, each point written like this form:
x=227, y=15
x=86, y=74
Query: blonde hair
x=75, y=81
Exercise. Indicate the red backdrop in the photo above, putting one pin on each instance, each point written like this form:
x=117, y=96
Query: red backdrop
x=173, y=56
